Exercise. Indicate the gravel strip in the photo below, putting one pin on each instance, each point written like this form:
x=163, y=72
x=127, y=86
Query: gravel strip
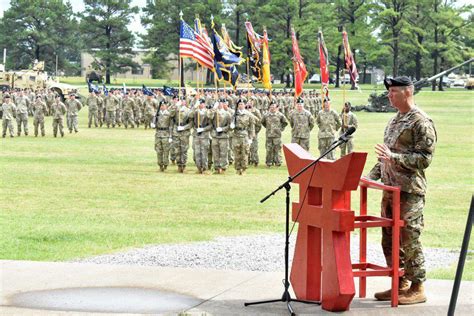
x=248, y=253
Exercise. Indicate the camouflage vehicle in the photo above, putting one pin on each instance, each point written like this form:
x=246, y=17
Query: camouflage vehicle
x=380, y=103
x=35, y=78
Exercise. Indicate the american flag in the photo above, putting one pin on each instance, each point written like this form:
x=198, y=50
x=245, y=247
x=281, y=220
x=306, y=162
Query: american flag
x=194, y=46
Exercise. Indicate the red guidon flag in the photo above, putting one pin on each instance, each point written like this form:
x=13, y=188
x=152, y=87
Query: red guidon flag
x=323, y=60
x=349, y=58
x=298, y=66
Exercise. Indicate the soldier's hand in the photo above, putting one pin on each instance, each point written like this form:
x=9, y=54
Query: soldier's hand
x=383, y=152
x=170, y=140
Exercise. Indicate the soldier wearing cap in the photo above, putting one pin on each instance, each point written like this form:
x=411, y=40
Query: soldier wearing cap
x=257, y=118
x=408, y=148
x=274, y=123
x=201, y=136
x=127, y=112
x=221, y=120
x=301, y=122
x=162, y=122
x=92, y=102
x=244, y=131
x=348, y=119
x=73, y=107
x=8, y=114
x=119, y=107
x=182, y=122
x=39, y=111
x=58, y=111
x=150, y=105
x=231, y=112
x=23, y=104
x=329, y=123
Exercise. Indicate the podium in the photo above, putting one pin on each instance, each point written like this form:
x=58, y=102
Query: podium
x=322, y=269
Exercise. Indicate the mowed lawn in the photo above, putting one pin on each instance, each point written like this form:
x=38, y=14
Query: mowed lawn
x=99, y=191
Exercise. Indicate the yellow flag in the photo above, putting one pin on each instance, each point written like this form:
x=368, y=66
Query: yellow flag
x=266, y=80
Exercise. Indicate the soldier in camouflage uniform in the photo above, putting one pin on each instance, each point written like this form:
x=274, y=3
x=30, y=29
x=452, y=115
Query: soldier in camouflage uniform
x=301, y=122
x=39, y=111
x=92, y=102
x=150, y=105
x=162, y=122
x=8, y=114
x=119, y=107
x=182, y=122
x=22, y=103
x=127, y=111
x=231, y=112
x=348, y=119
x=201, y=136
x=49, y=101
x=137, y=113
x=111, y=103
x=58, y=111
x=73, y=107
x=221, y=120
x=244, y=131
x=409, y=143
x=328, y=122
x=253, y=154
x=274, y=123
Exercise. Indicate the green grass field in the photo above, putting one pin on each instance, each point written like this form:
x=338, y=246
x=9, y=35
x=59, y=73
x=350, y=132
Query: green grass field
x=99, y=191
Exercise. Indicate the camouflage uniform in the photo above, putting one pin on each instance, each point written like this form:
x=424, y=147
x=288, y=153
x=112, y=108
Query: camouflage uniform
x=274, y=123
x=73, y=106
x=92, y=102
x=301, y=125
x=137, y=113
x=244, y=132
x=328, y=123
x=39, y=109
x=58, y=111
x=119, y=108
x=163, y=126
x=201, y=138
x=100, y=110
x=128, y=107
x=182, y=122
x=348, y=120
x=22, y=109
x=411, y=137
x=150, y=109
x=220, y=138
x=8, y=114
x=111, y=102
x=253, y=154
x=230, y=156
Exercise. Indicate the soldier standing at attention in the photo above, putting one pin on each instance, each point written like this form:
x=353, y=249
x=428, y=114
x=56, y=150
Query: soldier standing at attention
x=119, y=107
x=274, y=123
x=150, y=105
x=348, y=119
x=73, y=106
x=409, y=144
x=183, y=121
x=92, y=102
x=162, y=122
x=231, y=112
x=58, y=111
x=244, y=132
x=110, y=107
x=128, y=108
x=328, y=122
x=201, y=136
x=253, y=154
x=22, y=103
x=8, y=114
x=39, y=111
x=220, y=138
x=301, y=122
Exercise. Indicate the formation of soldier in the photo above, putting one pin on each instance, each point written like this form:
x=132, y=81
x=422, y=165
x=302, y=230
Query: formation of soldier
x=224, y=126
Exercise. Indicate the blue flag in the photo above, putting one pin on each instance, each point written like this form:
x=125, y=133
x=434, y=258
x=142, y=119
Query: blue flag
x=168, y=91
x=147, y=91
x=106, y=91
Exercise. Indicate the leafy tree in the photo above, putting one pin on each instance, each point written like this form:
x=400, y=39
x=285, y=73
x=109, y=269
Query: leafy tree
x=30, y=33
x=106, y=35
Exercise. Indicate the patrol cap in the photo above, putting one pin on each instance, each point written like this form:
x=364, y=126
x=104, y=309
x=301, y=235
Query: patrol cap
x=202, y=101
x=273, y=102
x=240, y=101
x=327, y=99
x=402, y=81
x=6, y=96
x=163, y=102
x=300, y=100
x=222, y=100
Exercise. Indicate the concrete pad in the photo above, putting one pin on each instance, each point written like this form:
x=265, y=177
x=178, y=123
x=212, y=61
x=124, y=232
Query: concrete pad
x=205, y=291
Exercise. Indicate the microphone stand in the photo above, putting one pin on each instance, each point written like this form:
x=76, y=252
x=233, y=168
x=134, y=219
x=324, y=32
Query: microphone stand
x=286, y=297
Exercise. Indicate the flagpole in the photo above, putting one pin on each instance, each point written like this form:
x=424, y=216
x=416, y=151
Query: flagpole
x=180, y=60
x=248, y=77
x=197, y=77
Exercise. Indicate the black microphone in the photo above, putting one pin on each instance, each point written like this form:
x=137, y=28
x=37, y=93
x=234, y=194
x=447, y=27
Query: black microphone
x=345, y=137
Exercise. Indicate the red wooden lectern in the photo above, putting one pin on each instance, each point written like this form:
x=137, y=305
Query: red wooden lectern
x=322, y=268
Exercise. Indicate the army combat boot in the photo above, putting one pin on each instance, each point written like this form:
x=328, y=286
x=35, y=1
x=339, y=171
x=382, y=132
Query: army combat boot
x=403, y=287
x=415, y=295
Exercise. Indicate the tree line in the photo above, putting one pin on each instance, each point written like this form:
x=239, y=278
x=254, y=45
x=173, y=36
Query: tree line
x=418, y=38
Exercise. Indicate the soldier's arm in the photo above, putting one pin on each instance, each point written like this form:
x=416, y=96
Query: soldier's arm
x=338, y=120
x=283, y=121
x=264, y=121
x=79, y=105
x=354, y=123
x=419, y=157
x=375, y=173
x=311, y=122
